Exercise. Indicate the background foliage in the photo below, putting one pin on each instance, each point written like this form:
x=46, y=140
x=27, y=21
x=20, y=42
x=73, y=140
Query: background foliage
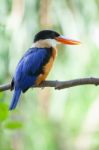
x=46, y=119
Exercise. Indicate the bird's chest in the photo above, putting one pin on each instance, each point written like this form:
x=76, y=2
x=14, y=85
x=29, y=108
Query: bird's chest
x=49, y=64
x=47, y=67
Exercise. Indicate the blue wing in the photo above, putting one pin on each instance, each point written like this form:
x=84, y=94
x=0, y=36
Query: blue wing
x=29, y=67
x=27, y=71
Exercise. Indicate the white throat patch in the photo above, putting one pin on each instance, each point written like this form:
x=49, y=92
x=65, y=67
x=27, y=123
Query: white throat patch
x=45, y=43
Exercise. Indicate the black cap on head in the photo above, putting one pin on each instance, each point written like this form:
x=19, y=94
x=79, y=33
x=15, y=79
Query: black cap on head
x=45, y=34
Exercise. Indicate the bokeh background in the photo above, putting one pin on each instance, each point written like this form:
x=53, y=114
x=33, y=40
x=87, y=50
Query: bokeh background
x=48, y=119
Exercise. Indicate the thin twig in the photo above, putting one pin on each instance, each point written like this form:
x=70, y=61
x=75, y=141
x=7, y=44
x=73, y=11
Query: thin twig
x=60, y=84
x=5, y=87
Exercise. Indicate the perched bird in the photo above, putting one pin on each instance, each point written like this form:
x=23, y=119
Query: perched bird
x=36, y=63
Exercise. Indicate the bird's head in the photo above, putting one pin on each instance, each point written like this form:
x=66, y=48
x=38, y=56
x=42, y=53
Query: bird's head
x=52, y=38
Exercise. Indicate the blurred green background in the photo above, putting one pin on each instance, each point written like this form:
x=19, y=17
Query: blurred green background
x=48, y=119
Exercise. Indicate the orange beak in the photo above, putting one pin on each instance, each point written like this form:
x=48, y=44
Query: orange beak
x=63, y=40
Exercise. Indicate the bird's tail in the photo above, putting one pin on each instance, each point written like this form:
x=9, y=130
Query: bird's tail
x=15, y=98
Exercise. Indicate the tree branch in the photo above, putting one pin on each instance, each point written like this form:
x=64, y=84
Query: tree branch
x=60, y=84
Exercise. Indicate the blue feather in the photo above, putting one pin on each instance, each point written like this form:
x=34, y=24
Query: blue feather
x=28, y=69
x=15, y=98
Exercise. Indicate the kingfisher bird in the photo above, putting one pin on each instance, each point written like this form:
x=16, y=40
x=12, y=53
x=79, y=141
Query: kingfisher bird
x=36, y=63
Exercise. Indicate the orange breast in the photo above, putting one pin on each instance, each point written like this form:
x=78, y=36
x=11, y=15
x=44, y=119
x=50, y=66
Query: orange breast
x=47, y=68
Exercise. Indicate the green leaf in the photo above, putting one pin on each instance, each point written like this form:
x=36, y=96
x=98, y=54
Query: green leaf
x=14, y=125
x=3, y=112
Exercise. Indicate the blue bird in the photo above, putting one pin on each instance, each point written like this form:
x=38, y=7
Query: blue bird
x=36, y=63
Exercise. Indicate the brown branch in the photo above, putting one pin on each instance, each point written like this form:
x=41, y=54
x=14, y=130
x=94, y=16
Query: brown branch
x=59, y=84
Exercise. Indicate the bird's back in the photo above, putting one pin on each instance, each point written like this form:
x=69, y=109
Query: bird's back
x=35, y=63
